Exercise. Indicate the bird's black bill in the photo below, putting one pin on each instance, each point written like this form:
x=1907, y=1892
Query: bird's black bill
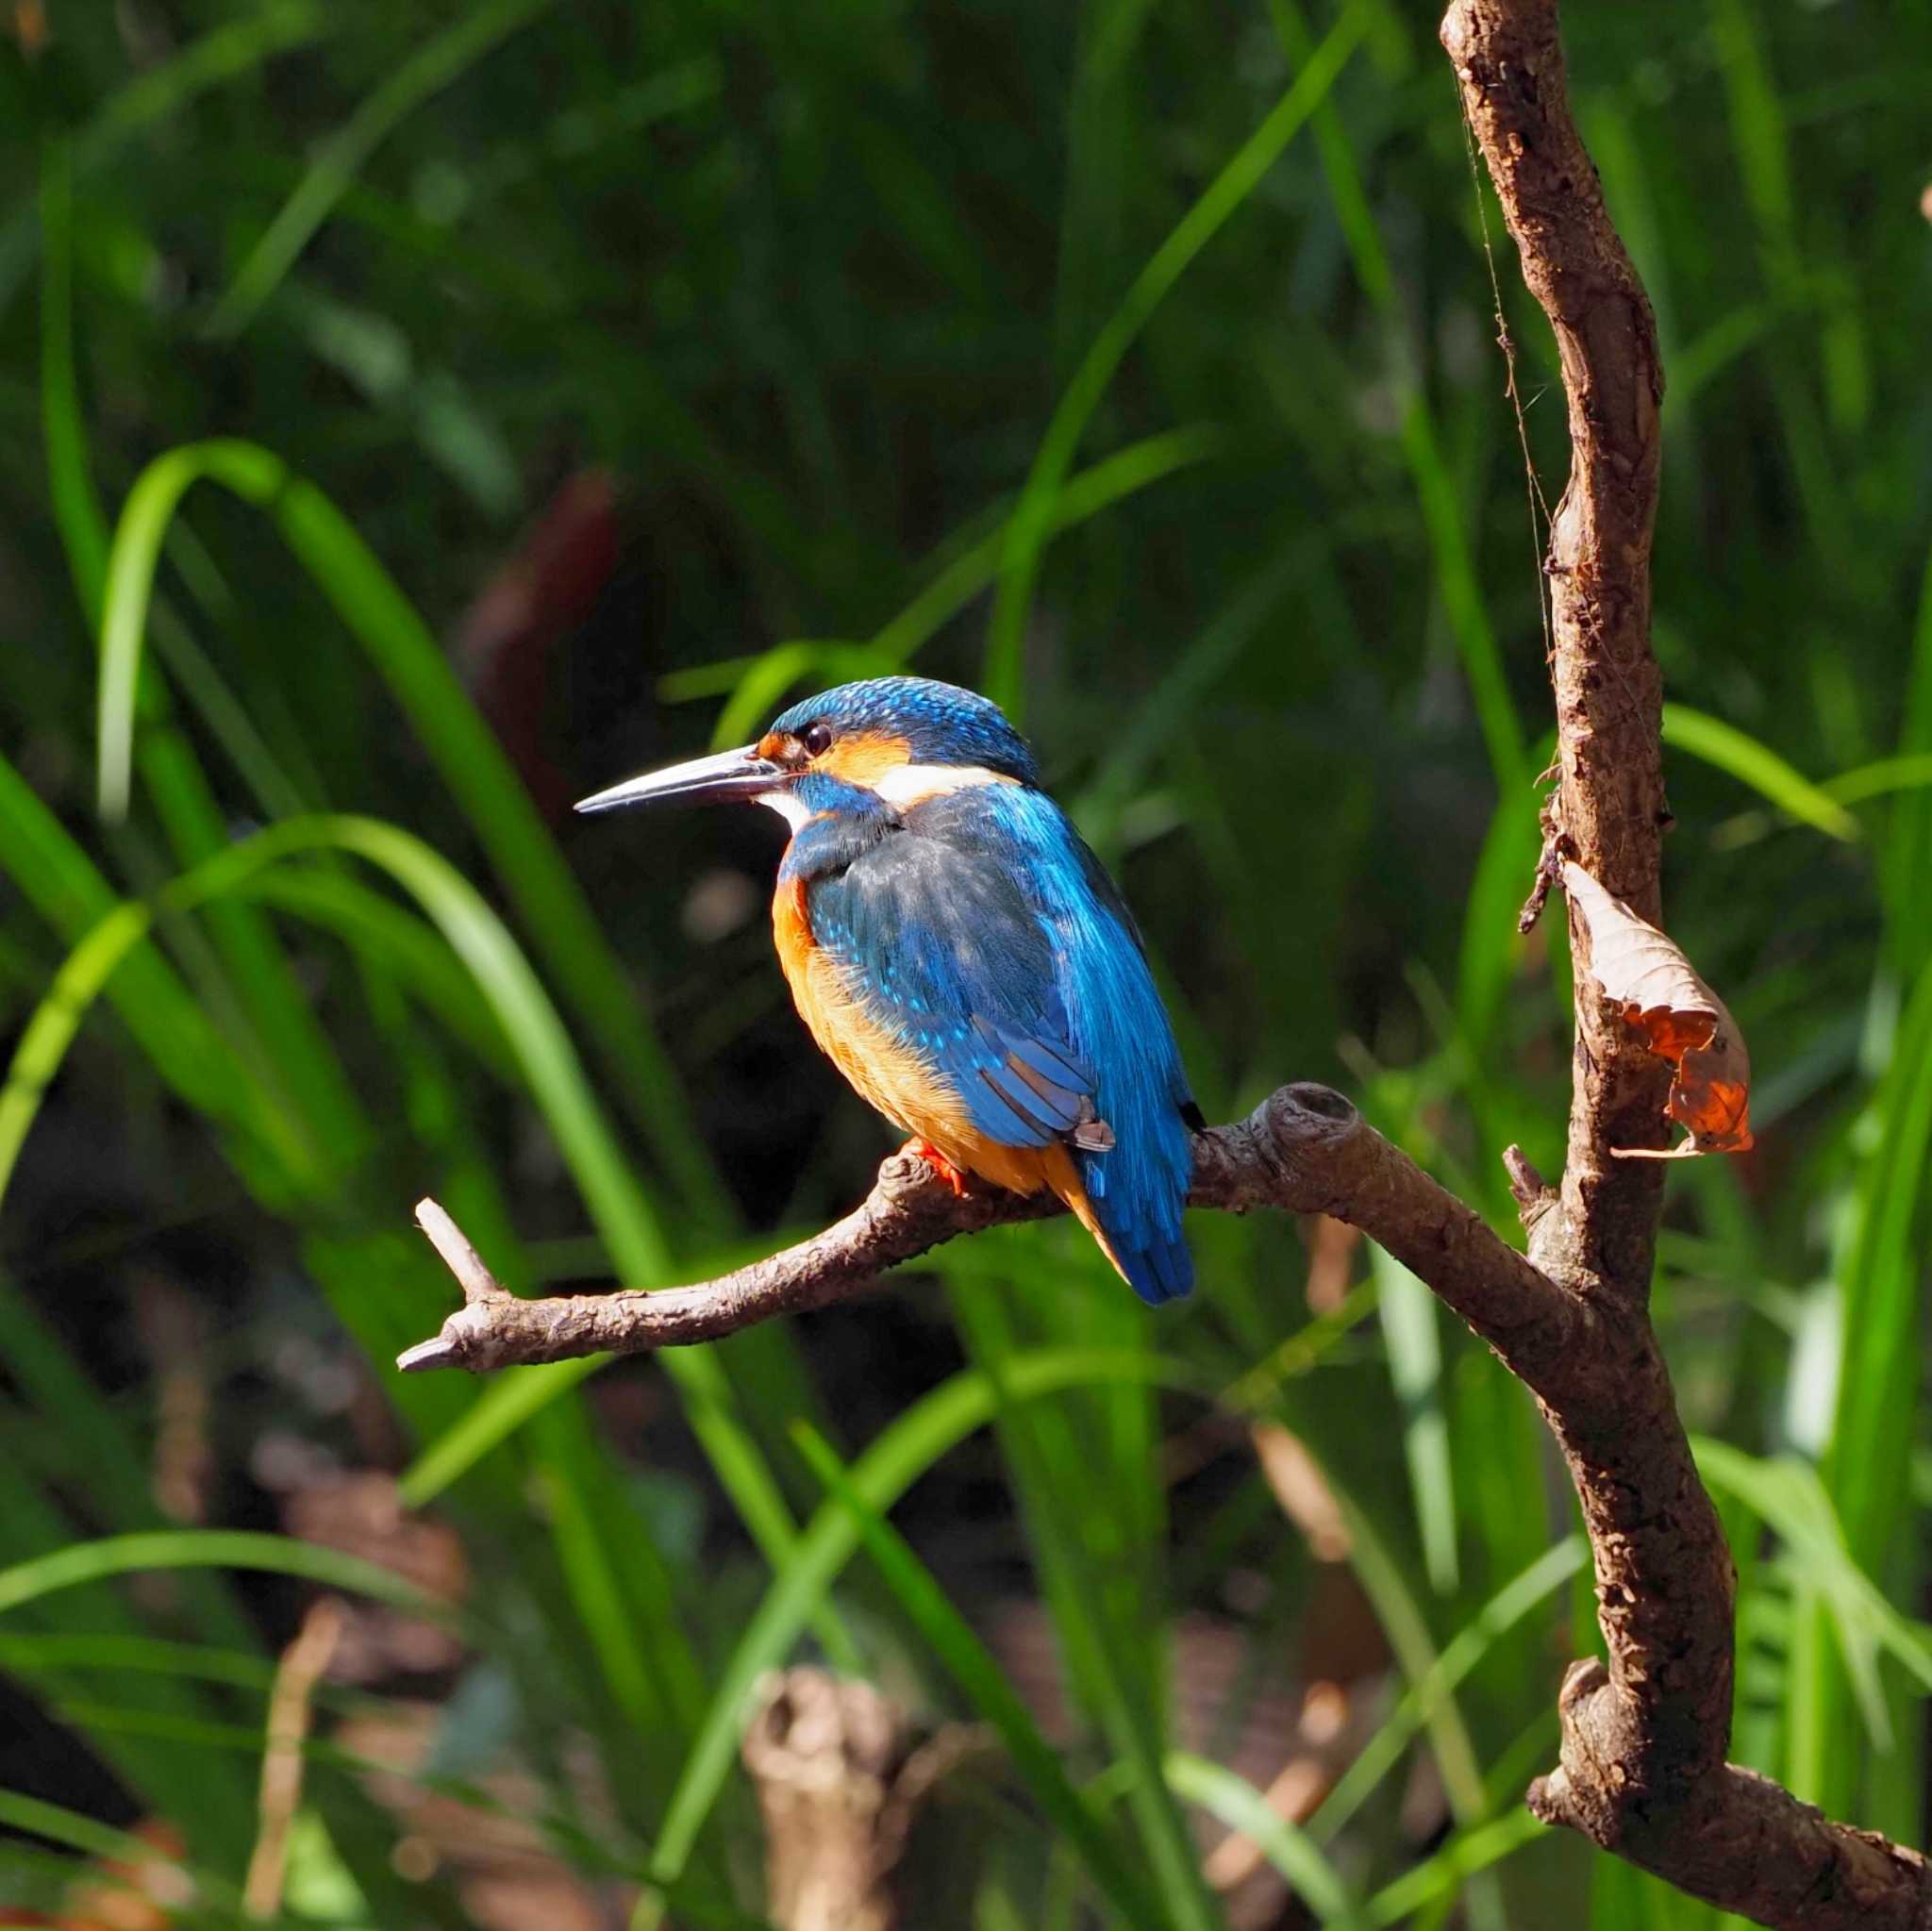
x=740, y=774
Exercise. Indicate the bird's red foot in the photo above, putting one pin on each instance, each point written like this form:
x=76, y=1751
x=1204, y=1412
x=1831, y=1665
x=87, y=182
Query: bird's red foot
x=925, y=1150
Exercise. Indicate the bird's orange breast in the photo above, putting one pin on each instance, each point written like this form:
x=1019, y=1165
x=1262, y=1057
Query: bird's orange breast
x=883, y=1070
x=898, y=1080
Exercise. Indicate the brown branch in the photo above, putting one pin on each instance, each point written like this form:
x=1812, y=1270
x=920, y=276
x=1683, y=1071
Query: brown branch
x=1646, y=1734
x=1640, y=1772
x=1304, y=1149
x=290, y=1708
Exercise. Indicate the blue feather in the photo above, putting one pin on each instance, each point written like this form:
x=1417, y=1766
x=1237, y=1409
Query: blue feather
x=940, y=723
x=1120, y=1028
x=985, y=934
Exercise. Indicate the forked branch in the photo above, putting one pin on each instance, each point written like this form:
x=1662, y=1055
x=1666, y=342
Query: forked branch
x=1645, y=1733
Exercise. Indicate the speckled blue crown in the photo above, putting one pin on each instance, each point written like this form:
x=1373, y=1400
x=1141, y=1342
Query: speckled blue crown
x=942, y=723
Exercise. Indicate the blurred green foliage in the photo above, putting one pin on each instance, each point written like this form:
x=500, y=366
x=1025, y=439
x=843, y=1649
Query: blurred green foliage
x=424, y=415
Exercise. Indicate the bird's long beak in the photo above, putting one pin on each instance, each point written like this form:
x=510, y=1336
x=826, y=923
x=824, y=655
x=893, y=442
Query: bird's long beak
x=740, y=774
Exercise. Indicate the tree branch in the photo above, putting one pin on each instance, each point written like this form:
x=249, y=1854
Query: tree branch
x=1305, y=1148
x=1646, y=1734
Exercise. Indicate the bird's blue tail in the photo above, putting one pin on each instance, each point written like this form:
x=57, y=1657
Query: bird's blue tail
x=1163, y=1271
x=1140, y=1226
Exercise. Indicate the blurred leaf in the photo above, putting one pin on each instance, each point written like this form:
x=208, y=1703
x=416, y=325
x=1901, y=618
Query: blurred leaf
x=434, y=66
x=1032, y=520
x=1756, y=764
x=1236, y=1803
x=1409, y=1318
x=85, y=1562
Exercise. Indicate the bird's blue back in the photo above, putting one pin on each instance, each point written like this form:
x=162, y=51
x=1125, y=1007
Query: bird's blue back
x=979, y=930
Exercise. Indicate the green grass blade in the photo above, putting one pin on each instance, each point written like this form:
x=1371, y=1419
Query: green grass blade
x=1032, y=520
x=140, y=1654
x=66, y=888
x=926, y=1432
x=77, y=513
x=1440, y=1679
x=466, y=753
x=1098, y=1567
x=1236, y=1803
x=1866, y=1462
x=385, y=935
x=225, y=53
x=324, y=1121
x=1745, y=757
x=1909, y=839
x=1085, y=496
x=1492, y=946
x=1414, y=1340
x=48, y=1033
x=488, y=1422
x=1240, y=622
x=1442, y=1874
x=754, y=684
x=92, y=1838
x=86, y=1562
x=1438, y=491
x=1407, y=1631
x=1884, y=774
x=434, y=66
x=274, y=1017
x=1787, y=1494
x=554, y=1077
x=550, y=1069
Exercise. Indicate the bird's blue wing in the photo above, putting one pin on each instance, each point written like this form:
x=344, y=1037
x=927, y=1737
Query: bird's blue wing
x=940, y=945
x=990, y=940
x=1120, y=1028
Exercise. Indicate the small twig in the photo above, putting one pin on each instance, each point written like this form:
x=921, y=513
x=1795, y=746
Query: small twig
x=1533, y=1195
x=481, y=1288
x=290, y=1703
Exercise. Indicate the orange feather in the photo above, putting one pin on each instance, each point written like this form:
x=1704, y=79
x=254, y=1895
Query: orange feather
x=863, y=757
x=902, y=1084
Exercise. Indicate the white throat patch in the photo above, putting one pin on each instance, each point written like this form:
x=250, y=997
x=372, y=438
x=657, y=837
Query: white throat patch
x=907, y=785
x=786, y=804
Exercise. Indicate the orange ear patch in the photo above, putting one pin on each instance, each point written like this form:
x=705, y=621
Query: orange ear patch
x=864, y=757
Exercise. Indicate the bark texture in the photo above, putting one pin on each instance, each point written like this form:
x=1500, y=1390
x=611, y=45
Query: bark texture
x=1642, y=1769
x=1305, y=1148
x=843, y=1774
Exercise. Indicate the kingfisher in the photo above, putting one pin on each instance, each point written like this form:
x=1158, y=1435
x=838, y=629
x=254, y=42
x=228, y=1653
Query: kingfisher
x=963, y=959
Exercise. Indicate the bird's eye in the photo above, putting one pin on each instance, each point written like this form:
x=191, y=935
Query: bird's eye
x=817, y=738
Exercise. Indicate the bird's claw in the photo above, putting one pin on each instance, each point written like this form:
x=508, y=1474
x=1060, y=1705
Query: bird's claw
x=925, y=1150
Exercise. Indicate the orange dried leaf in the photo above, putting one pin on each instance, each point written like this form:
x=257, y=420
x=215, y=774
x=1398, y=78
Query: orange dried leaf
x=1682, y=1019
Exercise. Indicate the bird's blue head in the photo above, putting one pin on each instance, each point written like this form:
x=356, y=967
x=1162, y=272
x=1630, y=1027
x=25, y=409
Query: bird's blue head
x=899, y=739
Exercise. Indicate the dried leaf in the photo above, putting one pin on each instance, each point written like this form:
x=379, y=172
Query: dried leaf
x=1682, y=1019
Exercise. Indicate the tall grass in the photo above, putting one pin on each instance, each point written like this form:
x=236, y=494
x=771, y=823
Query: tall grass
x=1139, y=369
